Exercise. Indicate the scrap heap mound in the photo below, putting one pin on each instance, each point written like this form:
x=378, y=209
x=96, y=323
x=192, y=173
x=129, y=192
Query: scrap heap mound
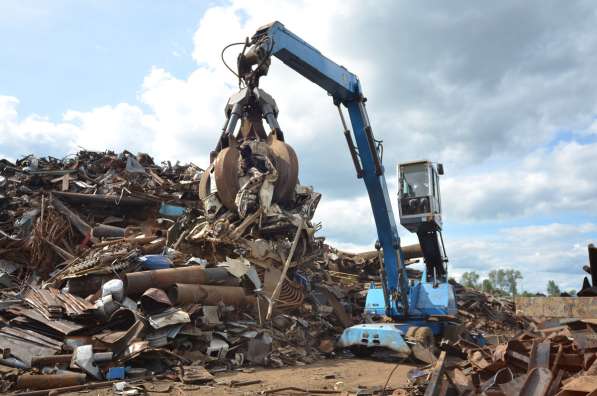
x=109, y=260
x=499, y=353
x=486, y=314
x=113, y=266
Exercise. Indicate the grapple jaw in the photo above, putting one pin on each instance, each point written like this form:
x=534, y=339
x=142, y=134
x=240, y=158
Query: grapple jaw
x=365, y=338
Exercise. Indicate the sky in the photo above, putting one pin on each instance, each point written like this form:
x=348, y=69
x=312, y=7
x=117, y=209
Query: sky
x=504, y=94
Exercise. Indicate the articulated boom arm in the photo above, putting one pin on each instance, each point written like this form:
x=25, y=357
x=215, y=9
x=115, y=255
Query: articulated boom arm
x=344, y=87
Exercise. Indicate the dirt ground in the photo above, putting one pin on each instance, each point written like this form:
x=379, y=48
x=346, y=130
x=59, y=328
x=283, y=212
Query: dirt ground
x=343, y=374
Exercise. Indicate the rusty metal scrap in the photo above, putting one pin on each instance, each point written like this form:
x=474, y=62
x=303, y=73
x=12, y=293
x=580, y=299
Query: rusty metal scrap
x=116, y=255
x=532, y=350
x=195, y=375
x=24, y=344
x=536, y=357
x=147, y=265
x=487, y=313
x=55, y=304
x=50, y=360
x=437, y=384
x=49, y=381
x=209, y=295
x=154, y=301
x=138, y=282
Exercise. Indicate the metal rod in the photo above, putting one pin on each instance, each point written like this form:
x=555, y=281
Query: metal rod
x=284, y=271
x=351, y=147
x=441, y=237
x=234, y=117
x=382, y=274
x=49, y=381
x=434, y=388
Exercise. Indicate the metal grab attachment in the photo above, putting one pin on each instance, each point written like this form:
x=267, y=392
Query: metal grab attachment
x=268, y=108
x=351, y=147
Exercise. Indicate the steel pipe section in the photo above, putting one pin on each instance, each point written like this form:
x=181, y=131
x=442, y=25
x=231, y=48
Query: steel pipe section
x=182, y=293
x=137, y=282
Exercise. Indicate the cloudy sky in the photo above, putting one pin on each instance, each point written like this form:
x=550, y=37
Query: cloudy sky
x=503, y=93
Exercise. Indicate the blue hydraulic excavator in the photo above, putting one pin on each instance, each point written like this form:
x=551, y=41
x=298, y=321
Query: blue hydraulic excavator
x=408, y=312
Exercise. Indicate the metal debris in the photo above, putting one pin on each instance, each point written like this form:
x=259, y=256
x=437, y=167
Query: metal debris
x=111, y=260
x=530, y=356
x=49, y=381
x=116, y=267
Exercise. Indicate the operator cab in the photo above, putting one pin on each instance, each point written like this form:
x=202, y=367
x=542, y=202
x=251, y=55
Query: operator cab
x=419, y=200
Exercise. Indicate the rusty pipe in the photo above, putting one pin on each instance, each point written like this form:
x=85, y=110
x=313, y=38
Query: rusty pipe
x=209, y=295
x=107, y=231
x=137, y=282
x=412, y=251
x=409, y=251
x=50, y=360
x=49, y=381
x=102, y=357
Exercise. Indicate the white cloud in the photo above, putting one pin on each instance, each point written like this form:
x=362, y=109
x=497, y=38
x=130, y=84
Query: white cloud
x=18, y=137
x=107, y=127
x=340, y=215
x=8, y=112
x=351, y=225
x=117, y=126
x=547, y=181
x=554, y=251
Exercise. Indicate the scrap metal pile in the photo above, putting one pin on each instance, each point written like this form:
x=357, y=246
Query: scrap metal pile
x=114, y=267
x=486, y=314
x=108, y=261
x=515, y=356
x=559, y=360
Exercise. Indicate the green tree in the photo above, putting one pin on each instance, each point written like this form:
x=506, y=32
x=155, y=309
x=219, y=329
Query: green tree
x=470, y=279
x=486, y=286
x=504, y=281
x=553, y=290
x=512, y=278
x=497, y=279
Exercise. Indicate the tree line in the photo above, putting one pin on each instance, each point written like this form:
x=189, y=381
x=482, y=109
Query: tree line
x=505, y=282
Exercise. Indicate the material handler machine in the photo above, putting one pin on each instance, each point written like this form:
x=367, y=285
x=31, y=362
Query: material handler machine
x=408, y=312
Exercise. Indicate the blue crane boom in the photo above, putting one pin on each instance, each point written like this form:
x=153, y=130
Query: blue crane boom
x=309, y=62
x=344, y=87
x=420, y=211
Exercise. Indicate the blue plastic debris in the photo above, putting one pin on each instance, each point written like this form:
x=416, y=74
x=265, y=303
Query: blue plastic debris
x=302, y=280
x=168, y=210
x=155, y=261
x=479, y=339
x=115, y=373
